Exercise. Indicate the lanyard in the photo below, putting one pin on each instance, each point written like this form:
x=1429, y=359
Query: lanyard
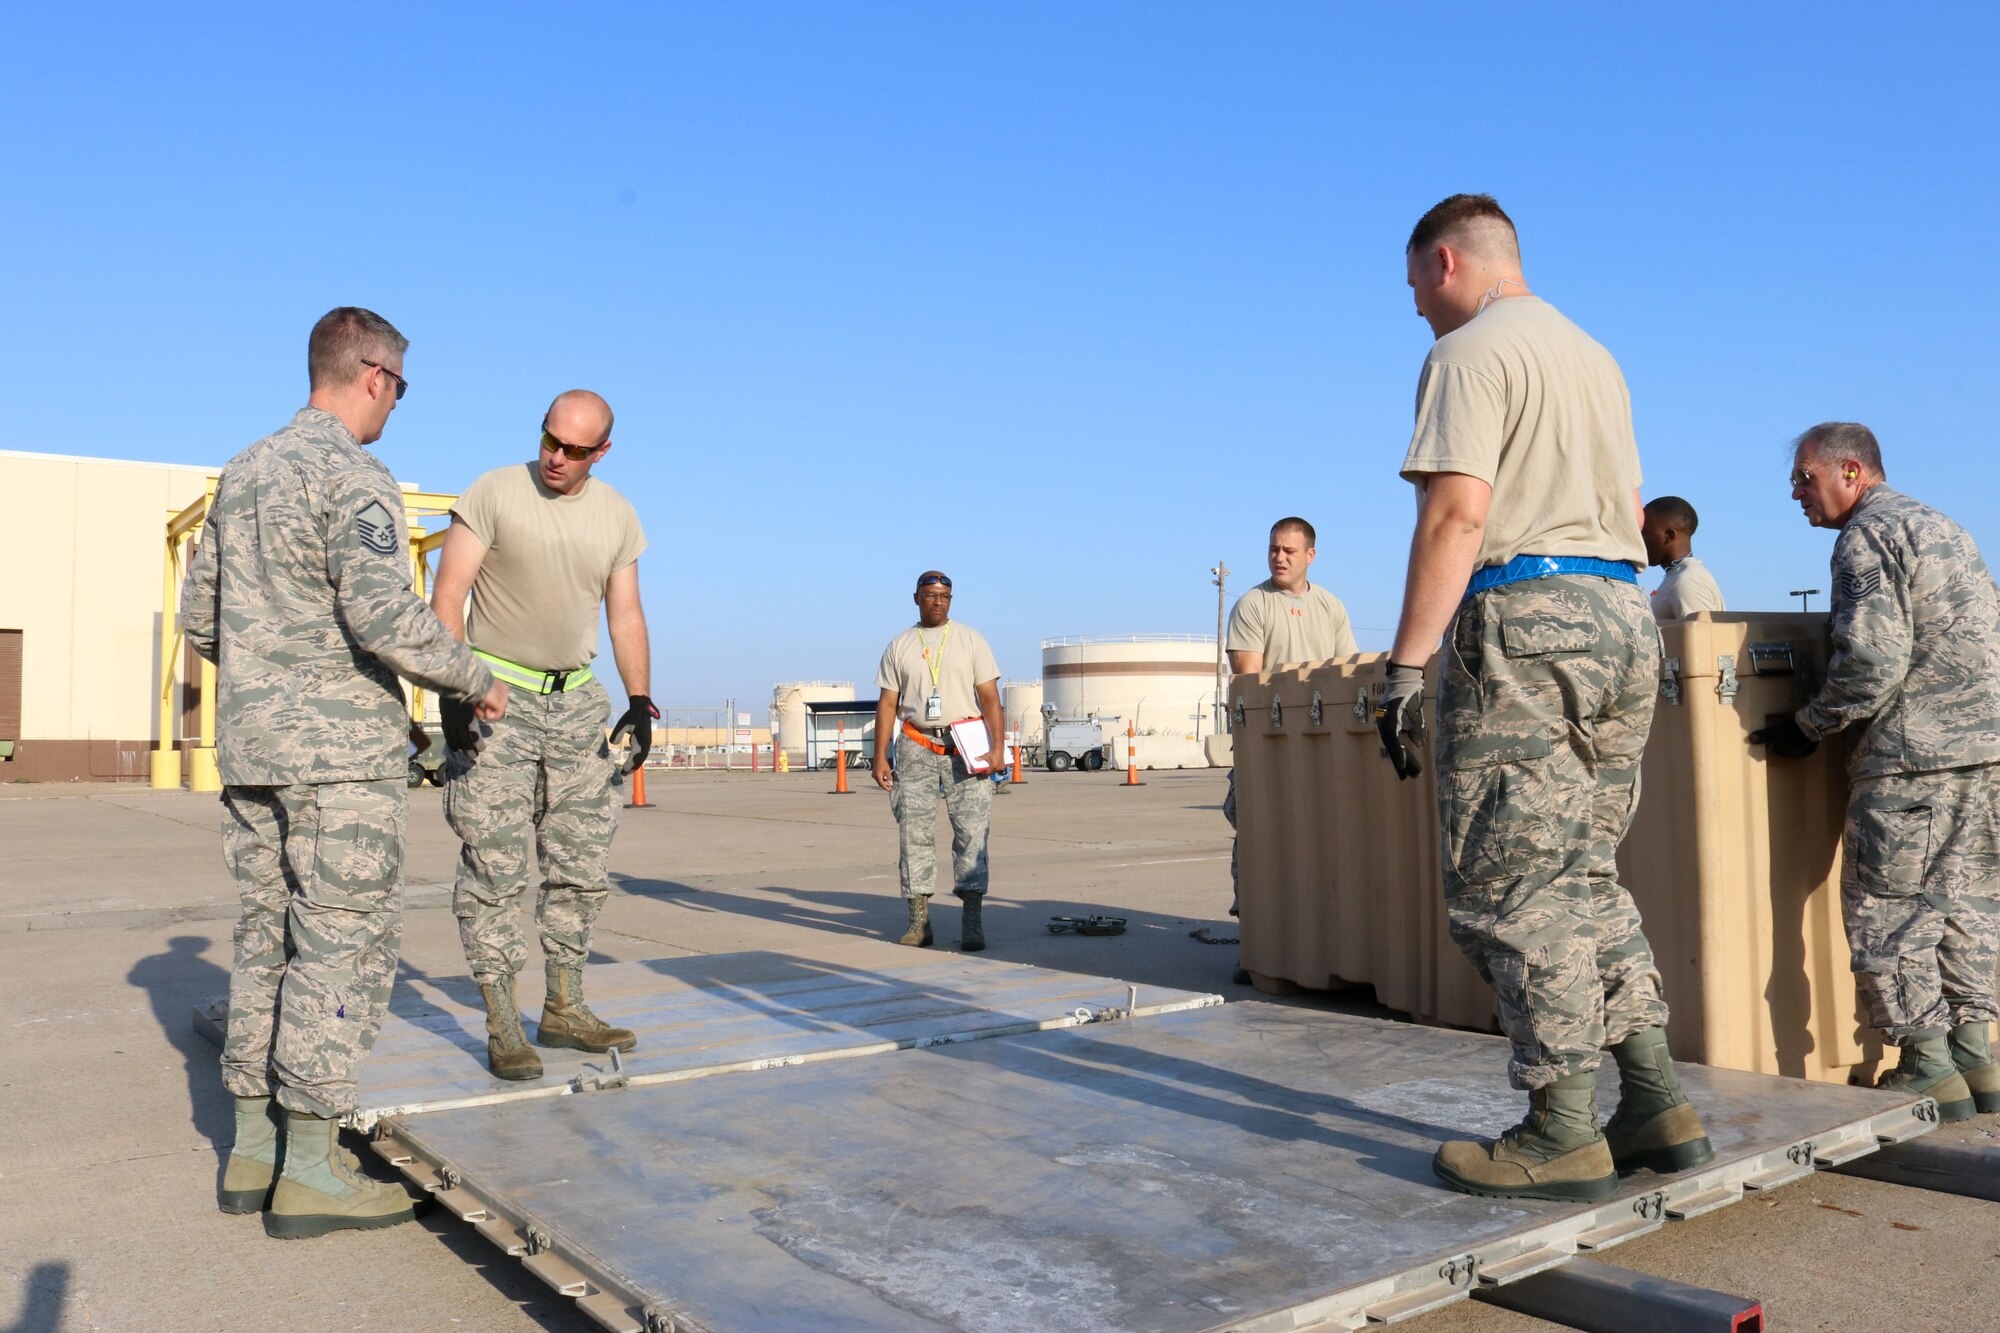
x=936, y=664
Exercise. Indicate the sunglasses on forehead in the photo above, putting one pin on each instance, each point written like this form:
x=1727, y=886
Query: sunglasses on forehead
x=575, y=453
x=930, y=579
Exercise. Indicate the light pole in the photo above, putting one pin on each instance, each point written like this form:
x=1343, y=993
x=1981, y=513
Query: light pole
x=1220, y=579
x=1803, y=594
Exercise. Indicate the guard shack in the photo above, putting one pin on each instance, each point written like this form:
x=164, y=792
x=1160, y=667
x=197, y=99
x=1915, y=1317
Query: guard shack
x=180, y=665
x=840, y=731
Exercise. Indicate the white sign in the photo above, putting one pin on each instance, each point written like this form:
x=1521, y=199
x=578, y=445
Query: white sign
x=742, y=719
x=743, y=735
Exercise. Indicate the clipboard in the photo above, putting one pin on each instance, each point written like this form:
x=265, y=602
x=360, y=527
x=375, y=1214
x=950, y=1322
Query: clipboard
x=970, y=738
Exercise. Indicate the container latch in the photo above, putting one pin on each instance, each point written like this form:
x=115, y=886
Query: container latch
x=1670, y=680
x=1364, y=714
x=1318, y=709
x=1725, y=673
x=1277, y=712
x=617, y=1078
x=1772, y=659
x=1236, y=713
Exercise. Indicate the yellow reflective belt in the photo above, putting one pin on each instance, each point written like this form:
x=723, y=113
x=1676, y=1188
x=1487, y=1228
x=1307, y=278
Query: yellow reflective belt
x=541, y=682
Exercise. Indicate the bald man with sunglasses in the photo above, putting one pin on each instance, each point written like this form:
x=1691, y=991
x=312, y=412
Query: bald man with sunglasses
x=539, y=548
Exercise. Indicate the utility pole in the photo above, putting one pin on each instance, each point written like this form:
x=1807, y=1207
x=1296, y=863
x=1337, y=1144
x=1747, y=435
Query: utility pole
x=1221, y=582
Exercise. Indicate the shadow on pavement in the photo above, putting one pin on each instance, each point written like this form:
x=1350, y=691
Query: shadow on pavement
x=42, y=1300
x=175, y=982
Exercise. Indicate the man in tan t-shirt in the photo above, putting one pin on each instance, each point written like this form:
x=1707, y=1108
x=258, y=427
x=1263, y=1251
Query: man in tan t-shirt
x=1667, y=528
x=1527, y=551
x=1283, y=621
x=938, y=672
x=540, y=547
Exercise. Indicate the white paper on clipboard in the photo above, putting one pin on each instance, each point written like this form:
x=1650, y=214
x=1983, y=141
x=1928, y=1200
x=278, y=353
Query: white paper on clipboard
x=969, y=736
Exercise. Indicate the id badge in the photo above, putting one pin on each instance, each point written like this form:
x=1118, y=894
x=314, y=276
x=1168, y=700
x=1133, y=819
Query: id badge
x=934, y=709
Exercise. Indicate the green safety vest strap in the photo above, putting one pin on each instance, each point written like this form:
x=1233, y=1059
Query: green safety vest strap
x=527, y=678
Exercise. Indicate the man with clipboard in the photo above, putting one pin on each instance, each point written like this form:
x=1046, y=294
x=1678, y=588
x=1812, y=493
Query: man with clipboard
x=936, y=676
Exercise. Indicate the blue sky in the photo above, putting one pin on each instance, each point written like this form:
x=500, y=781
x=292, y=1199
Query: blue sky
x=1068, y=300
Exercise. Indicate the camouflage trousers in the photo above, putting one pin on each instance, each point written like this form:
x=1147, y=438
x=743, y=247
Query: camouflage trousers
x=1920, y=891
x=1543, y=709
x=319, y=873
x=539, y=787
x=922, y=776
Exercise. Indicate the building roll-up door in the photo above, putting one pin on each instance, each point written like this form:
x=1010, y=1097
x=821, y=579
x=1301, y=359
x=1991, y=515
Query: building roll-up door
x=10, y=685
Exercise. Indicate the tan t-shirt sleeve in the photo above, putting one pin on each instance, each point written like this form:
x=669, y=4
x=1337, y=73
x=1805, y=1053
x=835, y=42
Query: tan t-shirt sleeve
x=1461, y=423
x=632, y=537
x=985, y=666
x=475, y=508
x=886, y=677
x=1343, y=632
x=1246, y=625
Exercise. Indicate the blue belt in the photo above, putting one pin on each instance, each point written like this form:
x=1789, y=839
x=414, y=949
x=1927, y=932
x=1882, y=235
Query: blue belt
x=1541, y=566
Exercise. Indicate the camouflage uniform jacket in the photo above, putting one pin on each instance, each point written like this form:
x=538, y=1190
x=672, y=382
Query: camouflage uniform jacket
x=1916, y=643
x=300, y=594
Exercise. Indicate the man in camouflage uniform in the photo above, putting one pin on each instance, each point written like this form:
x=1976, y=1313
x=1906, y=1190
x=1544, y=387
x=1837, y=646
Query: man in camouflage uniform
x=938, y=672
x=1284, y=621
x=1527, y=550
x=300, y=594
x=540, y=546
x=1916, y=673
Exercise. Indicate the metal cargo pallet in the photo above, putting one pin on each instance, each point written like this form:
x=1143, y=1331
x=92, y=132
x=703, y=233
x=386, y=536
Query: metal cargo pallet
x=1245, y=1167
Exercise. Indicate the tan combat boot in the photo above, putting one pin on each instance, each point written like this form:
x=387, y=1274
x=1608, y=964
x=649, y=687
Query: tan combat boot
x=567, y=1020
x=1655, y=1128
x=1556, y=1153
x=1927, y=1067
x=508, y=1054
x=253, y=1159
x=972, y=929
x=1972, y=1052
x=319, y=1191
x=918, y=936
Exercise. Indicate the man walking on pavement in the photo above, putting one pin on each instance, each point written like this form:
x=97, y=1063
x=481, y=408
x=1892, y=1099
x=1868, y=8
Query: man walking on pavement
x=540, y=546
x=300, y=594
x=1283, y=621
x=1915, y=672
x=1527, y=551
x=938, y=672
x=1667, y=527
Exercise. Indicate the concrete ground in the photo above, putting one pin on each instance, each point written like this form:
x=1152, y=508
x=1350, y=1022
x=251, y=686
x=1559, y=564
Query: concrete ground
x=115, y=918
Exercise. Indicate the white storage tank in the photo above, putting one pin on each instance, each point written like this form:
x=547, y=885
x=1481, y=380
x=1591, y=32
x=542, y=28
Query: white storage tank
x=1163, y=684
x=1021, y=706
x=788, y=709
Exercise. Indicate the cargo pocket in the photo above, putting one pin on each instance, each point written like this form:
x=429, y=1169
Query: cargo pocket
x=358, y=848
x=1499, y=822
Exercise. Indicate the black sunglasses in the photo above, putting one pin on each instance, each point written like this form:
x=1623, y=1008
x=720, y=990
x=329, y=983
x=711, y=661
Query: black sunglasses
x=402, y=385
x=928, y=579
x=575, y=453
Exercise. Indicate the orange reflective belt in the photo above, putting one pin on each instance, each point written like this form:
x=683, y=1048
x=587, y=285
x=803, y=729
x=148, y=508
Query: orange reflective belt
x=923, y=740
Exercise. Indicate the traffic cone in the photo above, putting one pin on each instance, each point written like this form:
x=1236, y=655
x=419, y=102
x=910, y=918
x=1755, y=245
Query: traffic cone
x=1017, y=765
x=639, y=801
x=1131, y=759
x=840, y=764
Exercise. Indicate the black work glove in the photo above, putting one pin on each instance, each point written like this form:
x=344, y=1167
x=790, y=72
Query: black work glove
x=1785, y=740
x=637, y=724
x=1400, y=715
x=461, y=730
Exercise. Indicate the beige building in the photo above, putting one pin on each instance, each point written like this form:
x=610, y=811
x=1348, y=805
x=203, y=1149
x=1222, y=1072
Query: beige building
x=80, y=608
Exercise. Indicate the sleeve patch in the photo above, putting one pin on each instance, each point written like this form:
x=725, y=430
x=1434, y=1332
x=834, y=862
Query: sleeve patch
x=1857, y=585
x=376, y=527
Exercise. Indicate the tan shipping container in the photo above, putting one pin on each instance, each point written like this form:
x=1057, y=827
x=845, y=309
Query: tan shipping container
x=1733, y=860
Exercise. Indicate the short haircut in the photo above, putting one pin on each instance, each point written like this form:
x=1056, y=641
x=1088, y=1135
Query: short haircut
x=581, y=396
x=345, y=337
x=1475, y=222
x=1295, y=522
x=1849, y=440
x=1675, y=511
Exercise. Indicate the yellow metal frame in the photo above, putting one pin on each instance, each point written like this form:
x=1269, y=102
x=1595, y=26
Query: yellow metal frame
x=184, y=528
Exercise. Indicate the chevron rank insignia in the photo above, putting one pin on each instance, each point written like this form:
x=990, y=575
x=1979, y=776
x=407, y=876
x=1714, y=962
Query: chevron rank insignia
x=1858, y=585
x=376, y=527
